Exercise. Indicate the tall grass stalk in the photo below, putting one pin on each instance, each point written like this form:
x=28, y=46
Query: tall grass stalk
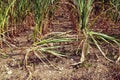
x=41, y=11
x=5, y=8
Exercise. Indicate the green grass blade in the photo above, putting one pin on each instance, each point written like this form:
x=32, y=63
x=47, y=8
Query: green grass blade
x=56, y=53
x=54, y=41
x=106, y=37
x=50, y=48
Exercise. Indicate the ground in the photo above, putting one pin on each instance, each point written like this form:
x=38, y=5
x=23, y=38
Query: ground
x=96, y=67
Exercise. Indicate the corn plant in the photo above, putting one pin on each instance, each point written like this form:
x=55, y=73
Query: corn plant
x=13, y=13
x=42, y=46
x=84, y=7
x=5, y=9
x=21, y=9
x=41, y=11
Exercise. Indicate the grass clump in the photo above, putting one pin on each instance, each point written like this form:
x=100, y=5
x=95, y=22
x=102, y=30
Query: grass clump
x=85, y=7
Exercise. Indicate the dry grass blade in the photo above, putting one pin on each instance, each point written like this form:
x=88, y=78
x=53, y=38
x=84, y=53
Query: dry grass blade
x=26, y=56
x=3, y=54
x=85, y=50
x=100, y=49
x=51, y=65
x=118, y=57
x=30, y=75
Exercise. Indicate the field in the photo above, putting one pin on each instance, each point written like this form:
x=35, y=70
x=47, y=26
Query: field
x=60, y=40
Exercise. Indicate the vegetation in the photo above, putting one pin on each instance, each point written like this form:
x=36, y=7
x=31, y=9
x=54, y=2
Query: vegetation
x=85, y=8
x=13, y=14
